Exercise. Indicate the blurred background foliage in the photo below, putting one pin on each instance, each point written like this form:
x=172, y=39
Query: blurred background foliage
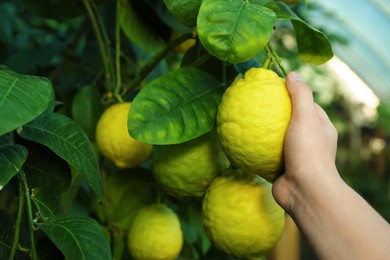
x=55, y=39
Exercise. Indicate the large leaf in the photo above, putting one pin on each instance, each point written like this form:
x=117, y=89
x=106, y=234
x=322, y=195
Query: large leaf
x=86, y=109
x=234, y=30
x=49, y=176
x=12, y=157
x=69, y=141
x=22, y=98
x=179, y=106
x=134, y=28
x=78, y=237
x=313, y=45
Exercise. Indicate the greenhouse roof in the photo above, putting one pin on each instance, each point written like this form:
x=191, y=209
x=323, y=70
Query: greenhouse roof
x=365, y=24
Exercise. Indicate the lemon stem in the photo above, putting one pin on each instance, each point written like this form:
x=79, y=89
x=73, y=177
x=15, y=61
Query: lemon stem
x=267, y=63
x=18, y=222
x=33, y=253
x=118, y=82
x=101, y=39
x=275, y=57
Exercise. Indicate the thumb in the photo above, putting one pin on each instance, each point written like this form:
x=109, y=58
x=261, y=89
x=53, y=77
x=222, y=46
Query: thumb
x=301, y=96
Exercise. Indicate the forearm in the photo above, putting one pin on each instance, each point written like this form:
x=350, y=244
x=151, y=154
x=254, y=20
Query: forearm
x=338, y=222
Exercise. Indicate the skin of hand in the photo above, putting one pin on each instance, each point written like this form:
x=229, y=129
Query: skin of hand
x=337, y=221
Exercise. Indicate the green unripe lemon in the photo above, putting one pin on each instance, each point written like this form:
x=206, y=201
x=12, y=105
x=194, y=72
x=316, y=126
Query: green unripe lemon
x=186, y=169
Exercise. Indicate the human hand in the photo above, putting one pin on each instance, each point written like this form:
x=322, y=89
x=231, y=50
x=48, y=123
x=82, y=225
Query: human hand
x=309, y=148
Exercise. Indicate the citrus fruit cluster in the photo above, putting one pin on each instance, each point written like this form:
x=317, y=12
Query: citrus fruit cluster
x=240, y=216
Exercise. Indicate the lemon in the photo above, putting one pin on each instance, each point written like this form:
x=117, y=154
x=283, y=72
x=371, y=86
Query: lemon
x=252, y=120
x=114, y=141
x=184, y=46
x=155, y=234
x=240, y=215
x=186, y=169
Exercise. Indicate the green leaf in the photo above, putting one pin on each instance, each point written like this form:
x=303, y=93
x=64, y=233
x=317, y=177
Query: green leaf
x=78, y=237
x=48, y=202
x=136, y=31
x=313, y=45
x=86, y=109
x=43, y=168
x=12, y=158
x=176, y=107
x=22, y=98
x=186, y=11
x=67, y=140
x=234, y=30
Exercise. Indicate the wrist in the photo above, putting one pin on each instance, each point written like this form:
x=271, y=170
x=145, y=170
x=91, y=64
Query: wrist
x=311, y=190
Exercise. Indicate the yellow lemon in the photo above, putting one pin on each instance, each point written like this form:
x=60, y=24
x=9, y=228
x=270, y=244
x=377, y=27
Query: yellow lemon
x=184, y=46
x=155, y=234
x=240, y=215
x=186, y=170
x=252, y=121
x=114, y=141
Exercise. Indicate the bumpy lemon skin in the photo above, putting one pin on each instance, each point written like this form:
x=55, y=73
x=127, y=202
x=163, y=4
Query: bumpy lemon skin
x=187, y=169
x=240, y=215
x=114, y=141
x=252, y=120
x=155, y=234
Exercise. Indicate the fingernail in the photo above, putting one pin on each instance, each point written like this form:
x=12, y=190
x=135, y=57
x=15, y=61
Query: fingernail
x=295, y=76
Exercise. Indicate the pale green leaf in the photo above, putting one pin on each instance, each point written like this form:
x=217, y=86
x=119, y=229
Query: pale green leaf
x=234, y=30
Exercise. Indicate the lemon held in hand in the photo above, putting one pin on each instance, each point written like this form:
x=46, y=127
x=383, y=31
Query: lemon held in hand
x=252, y=121
x=240, y=215
x=155, y=234
x=114, y=141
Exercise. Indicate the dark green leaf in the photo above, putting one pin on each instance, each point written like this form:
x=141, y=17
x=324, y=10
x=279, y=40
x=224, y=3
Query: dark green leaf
x=86, y=109
x=12, y=158
x=136, y=30
x=45, y=169
x=48, y=202
x=22, y=98
x=78, y=237
x=313, y=45
x=69, y=141
x=234, y=30
x=177, y=107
